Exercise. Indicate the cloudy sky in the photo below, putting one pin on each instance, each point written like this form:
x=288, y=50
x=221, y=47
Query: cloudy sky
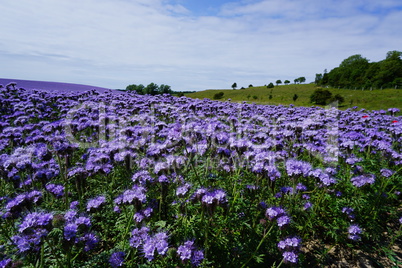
x=190, y=44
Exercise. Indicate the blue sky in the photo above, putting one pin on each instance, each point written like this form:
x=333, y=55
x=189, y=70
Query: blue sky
x=190, y=45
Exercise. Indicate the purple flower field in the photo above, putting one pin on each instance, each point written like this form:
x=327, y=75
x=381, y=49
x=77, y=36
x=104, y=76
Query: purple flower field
x=91, y=178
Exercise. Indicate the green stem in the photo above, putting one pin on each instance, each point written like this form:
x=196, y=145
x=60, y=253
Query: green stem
x=42, y=255
x=54, y=253
x=258, y=247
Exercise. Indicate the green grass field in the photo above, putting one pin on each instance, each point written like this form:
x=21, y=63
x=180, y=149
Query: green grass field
x=370, y=100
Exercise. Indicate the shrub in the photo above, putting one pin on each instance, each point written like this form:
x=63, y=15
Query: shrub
x=320, y=96
x=219, y=95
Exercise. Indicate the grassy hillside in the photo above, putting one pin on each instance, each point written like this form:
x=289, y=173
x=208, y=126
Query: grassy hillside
x=371, y=100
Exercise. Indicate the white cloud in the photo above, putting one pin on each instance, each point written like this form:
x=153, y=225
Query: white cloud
x=115, y=43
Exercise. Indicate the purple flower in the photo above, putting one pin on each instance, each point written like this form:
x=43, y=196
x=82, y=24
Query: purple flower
x=70, y=215
x=297, y=168
x=307, y=206
x=188, y=251
x=185, y=250
x=117, y=259
x=95, y=203
x=135, y=194
x=283, y=220
x=34, y=220
x=74, y=204
x=182, y=190
x=83, y=221
x=290, y=257
x=274, y=212
x=348, y=211
x=91, y=240
x=300, y=187
x=138, y=236
x=290, y=247
x=354, y=232
x=5, y=263
x=157, y=243
x=142, y=177
x=197, y=257
x=70, y=231
x=279, y=214
x=362, y=180
x=290, y=243
x=56, y=189
x=29, y=241
x=386, y=173
x=211, y=198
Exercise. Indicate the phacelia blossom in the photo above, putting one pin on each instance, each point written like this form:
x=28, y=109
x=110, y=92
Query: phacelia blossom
x=278, y=214
x=182, y=190
x=56, y=189
x=96, y=203
x=188, y=251
x=117, y=259
x=157, y=243
x=290, y=247
x=34, y=220
x=354, y=232
x=297, y=168
x=362, y=180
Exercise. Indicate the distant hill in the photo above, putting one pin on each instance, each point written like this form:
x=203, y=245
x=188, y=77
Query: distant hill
x=29, y=84
x=284, y=94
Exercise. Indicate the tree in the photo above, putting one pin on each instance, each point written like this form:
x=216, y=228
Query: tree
x=234, y=86
x=295, y=97
x=270, y=85
x=165, y=89
x=318, y=79
x=320, y=96
x=337, y=98
x=296, y=80
x=218, y=96
x=278, y=82
x=287, y=82
x=250, y=85
x=151, y=89
x=139, y=89
x=301, y=79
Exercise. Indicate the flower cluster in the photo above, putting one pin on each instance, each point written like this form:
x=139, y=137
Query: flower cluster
x=189, y=252
x=290, y=248
x=77, y=230
x=362, y=180
x=150, y=244
x=278, y=214
x=34, y=227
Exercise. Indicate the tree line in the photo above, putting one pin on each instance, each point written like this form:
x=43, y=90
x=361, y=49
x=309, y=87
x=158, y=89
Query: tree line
x=357, y=72
x=151, y=89
x=299, y=80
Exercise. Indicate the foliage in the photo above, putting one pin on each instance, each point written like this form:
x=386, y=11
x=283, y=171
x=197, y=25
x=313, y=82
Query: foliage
x=219, y=95
x=151, y=89
x=301, y=79
x=320, y=96
x=270, y=85
x=278, y=82
x=357, y=72
x=234, y=86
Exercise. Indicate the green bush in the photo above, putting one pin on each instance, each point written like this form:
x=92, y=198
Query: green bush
x=219, y=95
x=320, y=96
